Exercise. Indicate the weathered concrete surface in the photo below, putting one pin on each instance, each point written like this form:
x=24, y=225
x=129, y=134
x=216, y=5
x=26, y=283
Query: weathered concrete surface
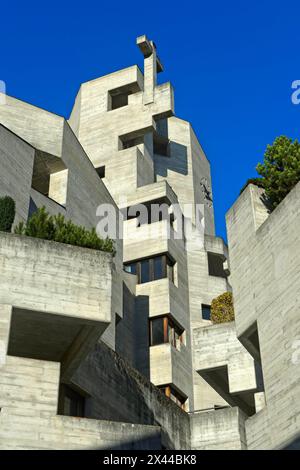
x=28, y=420
x=60, y=298
x=42, y=147
x=132, y=397
x=265, y=276
x=221, y=359
x=222, y=429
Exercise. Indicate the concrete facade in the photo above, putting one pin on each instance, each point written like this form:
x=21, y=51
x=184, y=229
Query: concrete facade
x=100, y=351
x=265, y=255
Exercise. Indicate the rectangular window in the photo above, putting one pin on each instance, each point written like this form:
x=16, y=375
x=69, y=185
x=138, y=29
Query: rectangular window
x=158, y=267
x=165, y=330
x=206, y=312
x=151, y=269
x=71, y=402
x=174, y=395
x=144, y=271
x=157, y=331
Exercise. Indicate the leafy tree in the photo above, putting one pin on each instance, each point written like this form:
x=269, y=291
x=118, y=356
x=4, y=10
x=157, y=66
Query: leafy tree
x=7, y=213
x=222, y=310
x=280, y=171
x=57, y=228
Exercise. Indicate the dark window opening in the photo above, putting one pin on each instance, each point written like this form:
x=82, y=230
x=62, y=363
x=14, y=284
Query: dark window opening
x=215, y=265
x=152, y=269
x=70, y=402
x=165, y=330
x=206, y=312
x=157, y=331
x=161, y=145
x=118, y=97
x=174, y=395
x=145, y=271
x=155, y=211
x=158, y=268
x=128, y=142
x=101, y=171
x=118, y=101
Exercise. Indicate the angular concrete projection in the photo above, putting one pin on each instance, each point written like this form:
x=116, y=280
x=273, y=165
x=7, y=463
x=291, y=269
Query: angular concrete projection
x=105, y=332
x=60, y=298
x=265, y=276
x=226, y=365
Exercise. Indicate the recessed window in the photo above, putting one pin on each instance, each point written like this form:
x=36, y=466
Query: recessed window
x=158, y=329
x=174, y=395
x=158, y=268
x=145, y=271
x=206, y=312
x=118, y=97
x=152, y=269
x=165, y=330
x=101, y=171
x=70, y=402
x=215, y=264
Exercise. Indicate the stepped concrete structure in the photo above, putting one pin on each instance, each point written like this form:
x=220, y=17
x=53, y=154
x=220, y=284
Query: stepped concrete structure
x=117, y=351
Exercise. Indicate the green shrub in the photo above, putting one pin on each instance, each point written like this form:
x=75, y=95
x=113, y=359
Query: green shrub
x=7, y=213
x=222, y=310
x=281, y=169
x=57, y=228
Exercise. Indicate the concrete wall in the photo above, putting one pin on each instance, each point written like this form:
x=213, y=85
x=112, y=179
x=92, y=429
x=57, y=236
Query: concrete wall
x=28, y=419
x=120, y=393
x=264, y=261
x=16, y=157
x=222, y=429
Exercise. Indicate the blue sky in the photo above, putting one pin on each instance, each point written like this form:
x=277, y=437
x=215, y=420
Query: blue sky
x=231, y=64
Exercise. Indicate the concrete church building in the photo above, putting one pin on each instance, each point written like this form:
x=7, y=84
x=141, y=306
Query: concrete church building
x=103, y=352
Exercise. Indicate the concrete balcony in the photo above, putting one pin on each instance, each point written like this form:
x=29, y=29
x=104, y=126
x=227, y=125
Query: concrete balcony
x=226, y=365
x=164, y=298
x=55, y=299
x=149, y=240
x=168, y=366
x=159, y=192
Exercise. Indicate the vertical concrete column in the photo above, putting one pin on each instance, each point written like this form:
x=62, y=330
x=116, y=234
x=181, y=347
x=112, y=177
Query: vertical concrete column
x=152, y=66
x=150, y=77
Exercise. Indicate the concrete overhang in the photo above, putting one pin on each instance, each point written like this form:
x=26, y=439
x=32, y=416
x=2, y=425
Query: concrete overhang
x=60, y=298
